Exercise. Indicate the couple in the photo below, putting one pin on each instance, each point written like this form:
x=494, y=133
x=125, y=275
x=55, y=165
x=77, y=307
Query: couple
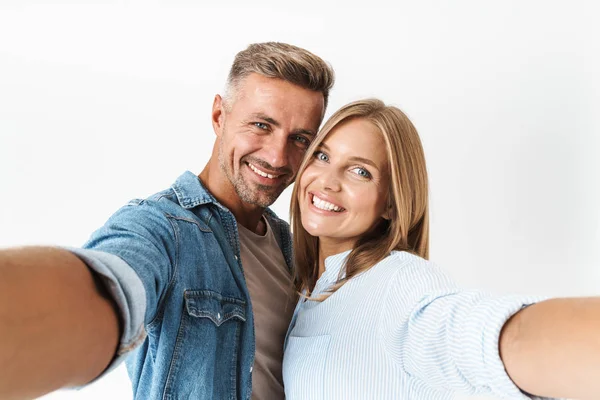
x=197, y=286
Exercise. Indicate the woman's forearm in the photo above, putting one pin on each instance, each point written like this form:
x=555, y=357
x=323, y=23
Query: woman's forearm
x=552, y=348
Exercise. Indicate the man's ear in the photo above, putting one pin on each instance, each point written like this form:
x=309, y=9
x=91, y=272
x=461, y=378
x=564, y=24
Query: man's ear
x=218, y=115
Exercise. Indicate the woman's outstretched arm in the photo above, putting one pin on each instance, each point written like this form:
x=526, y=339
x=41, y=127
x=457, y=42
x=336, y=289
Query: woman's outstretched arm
x=552, y=348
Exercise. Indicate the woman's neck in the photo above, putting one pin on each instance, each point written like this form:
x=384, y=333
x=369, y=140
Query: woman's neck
x=328, y=247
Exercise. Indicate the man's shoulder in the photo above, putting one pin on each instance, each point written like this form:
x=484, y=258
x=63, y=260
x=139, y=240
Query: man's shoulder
x=277, y=222
x=186, y=193
x=164, y=201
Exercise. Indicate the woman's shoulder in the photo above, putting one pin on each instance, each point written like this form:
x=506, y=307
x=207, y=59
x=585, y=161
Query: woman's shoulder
x=405, y=265
x=406, y=259
x=412, y=279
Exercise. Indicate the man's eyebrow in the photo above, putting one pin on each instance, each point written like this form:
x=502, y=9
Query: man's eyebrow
x=274, y=122
x=266, y=118
x=307, y=132
x=361, y=160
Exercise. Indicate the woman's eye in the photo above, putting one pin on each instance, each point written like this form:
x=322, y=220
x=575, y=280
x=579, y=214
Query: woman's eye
x=363, y=173
x=319, y=155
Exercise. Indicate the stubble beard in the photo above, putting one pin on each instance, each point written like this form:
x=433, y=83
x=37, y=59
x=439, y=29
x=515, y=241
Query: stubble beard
x=259, y=195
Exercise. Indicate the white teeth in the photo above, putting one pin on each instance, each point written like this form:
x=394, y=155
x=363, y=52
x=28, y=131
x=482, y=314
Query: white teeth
x=325, y=205
x=262, y=173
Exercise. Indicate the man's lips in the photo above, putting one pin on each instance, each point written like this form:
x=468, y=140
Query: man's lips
x=261, y=172
x=266, y=177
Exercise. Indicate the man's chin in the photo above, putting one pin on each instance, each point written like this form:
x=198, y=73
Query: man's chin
x=262, y=199
x=265, y=202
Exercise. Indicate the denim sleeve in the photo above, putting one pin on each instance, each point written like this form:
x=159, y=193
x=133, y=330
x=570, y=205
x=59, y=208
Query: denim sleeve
x=448, y=337
x=133, y=254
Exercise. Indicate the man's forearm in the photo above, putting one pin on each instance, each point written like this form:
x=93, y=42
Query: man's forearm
x=552, y=348
x=57, y=329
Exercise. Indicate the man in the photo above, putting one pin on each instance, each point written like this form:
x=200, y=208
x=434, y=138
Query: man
x=193, y=284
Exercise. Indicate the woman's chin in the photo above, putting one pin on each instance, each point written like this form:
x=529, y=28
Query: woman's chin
x=313, y=232
x=313, y=229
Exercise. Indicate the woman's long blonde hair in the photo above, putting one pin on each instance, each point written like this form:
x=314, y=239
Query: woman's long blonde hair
x=408, y=225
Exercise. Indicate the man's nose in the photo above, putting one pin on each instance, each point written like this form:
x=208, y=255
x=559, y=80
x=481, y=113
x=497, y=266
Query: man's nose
x=276, y=151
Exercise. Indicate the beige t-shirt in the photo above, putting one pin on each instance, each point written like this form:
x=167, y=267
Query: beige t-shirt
x=273, y=300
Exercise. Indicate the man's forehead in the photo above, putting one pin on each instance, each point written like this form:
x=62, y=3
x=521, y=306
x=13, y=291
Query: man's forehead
x=279, y=100
x=281, y=109
x=256, y=85
x=278, y=91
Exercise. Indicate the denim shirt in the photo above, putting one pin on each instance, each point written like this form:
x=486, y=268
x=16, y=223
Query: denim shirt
x=172, y=264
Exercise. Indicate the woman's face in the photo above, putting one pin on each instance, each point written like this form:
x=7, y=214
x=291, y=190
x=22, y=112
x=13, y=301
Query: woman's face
x=343, y=190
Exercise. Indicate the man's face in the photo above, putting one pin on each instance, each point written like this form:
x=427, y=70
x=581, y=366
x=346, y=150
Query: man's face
x=263, y=134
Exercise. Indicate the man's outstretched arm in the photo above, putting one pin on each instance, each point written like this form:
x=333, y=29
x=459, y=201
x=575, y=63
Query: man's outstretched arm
x=58, y=327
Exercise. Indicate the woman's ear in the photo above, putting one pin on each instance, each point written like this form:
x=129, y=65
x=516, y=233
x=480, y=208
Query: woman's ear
x=387, y=213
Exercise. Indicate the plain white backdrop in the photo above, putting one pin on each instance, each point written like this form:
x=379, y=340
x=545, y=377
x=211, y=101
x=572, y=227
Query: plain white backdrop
x=101, y=102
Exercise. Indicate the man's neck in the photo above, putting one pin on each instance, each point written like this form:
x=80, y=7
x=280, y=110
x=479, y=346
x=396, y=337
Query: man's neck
x=245, y=214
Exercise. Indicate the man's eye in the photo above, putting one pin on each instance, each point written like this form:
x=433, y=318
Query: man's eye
x=261, y=125
x=301, y=140
x=319, y=155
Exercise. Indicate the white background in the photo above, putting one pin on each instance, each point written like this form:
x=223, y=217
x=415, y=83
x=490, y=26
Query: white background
x=104, y=102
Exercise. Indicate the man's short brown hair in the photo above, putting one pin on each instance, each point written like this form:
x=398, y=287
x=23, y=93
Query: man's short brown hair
x=282, y=61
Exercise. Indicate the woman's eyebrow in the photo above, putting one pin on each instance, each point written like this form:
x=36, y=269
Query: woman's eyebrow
x=364, y=161
x=361, y=160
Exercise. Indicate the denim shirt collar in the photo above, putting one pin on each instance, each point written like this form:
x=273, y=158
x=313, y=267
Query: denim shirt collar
x=191, y=192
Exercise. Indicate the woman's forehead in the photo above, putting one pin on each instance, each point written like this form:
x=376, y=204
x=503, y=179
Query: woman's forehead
x=356, y=138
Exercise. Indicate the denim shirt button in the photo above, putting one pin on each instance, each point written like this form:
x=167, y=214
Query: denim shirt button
x=218, y=315
x=236, y=257
x=250, y=369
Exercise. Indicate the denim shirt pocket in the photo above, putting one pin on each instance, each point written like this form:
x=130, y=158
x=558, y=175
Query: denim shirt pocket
x=217, y=308
x=206, y=354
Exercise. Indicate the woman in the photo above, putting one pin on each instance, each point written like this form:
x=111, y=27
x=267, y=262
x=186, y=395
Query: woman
x=379, y=321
